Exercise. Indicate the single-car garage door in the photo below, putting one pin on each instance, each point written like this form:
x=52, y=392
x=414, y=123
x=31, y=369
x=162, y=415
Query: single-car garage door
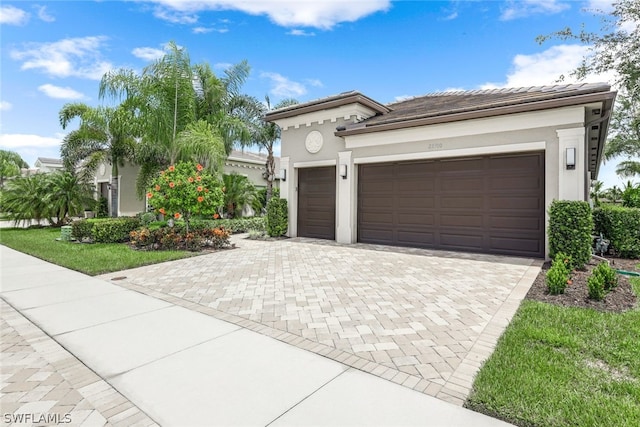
x=317, y=202
x=491, y=204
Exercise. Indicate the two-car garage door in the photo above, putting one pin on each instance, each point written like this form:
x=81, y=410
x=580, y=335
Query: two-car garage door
x=492, y=204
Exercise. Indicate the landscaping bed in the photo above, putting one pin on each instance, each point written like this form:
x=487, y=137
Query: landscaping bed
x=621, y=298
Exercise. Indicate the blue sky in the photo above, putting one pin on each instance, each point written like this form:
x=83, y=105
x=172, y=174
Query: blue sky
x=55, y=52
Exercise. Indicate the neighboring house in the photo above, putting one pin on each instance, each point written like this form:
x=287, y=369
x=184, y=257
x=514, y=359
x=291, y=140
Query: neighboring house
x=469, y=171
x=46, y=165
x=251, y=165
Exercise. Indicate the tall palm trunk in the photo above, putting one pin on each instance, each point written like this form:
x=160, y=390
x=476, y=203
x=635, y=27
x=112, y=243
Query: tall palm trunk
x=114, y=189
x=271, y=173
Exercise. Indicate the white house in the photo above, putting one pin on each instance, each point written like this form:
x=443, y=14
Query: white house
x=469, y=171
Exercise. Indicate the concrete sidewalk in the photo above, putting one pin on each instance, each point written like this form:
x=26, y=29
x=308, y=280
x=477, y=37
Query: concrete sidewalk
x=159, y=362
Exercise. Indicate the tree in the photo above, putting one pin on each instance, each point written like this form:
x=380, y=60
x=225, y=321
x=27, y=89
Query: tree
x=597, y=192
x=54, y=197
x=105, y=135
x=10, y=165
x=238, y=193
x=266, y=135
x=616, y=48
x=625, y=136
x=166, y=102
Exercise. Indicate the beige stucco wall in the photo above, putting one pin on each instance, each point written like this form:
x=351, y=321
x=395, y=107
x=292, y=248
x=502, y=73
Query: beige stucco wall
x=551, y=131
x=129, y=202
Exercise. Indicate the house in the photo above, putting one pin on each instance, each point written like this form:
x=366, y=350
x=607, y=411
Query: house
x=251, y=165
x=466, y=171
x=47, y=165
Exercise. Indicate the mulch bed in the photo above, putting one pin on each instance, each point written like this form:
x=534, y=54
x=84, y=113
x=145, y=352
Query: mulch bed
x=576, y=294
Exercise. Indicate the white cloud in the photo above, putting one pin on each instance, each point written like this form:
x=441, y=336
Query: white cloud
x=605, y=6
x=297, y=32
x=60, y=92
x=11, y=15
x=43, y=15
x=205, y=30
x=546, y=68
x=307, y=13
x=73, y=57
x=522, y=8
x=5, y=106
x=283, y=87
x=148, y=53
x=18, y=140
x=314, y=82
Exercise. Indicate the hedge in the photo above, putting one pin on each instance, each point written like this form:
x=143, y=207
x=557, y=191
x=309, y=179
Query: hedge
x=277, y=217
x=105, y=230
x=621, y=226
x=570, y=228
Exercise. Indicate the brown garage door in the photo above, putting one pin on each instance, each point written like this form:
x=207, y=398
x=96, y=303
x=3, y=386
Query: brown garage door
x=317, y=202
x=492, y=204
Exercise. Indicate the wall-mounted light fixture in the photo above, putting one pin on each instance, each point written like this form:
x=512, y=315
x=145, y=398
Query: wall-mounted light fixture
x=283, y=174
x=571, y=158
x=343, y=171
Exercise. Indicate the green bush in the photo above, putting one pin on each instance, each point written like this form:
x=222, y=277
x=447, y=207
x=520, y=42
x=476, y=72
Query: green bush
x=114, y=230
x=147, y=218
x=596, y=287
x=631, y=197
x=621, y=226
x=102, y=208
x=608, y=274
x=235, y=225
x=173, y=239
x=570, y=227
x=277, y=217
x=82, y=229
x=558, y=275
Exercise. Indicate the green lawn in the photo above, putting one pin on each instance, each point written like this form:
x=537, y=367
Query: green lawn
x=558, y=366
x=92, y=259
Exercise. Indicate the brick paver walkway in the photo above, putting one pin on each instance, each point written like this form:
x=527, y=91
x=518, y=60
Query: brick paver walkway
x=431, y=316
x=42, y=384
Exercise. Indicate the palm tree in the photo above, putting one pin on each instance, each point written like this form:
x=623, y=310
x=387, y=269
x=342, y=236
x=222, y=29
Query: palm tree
x=167, y=104
x=24, y=199
x=596, y=192
x=66, y=195
x=264, y=134
x=238, y=192
x=105, y=135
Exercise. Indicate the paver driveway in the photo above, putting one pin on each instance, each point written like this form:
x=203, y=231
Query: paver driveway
x=425, y=319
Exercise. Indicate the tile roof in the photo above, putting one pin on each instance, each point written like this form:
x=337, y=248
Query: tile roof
x=447, y=103
x=50, y=160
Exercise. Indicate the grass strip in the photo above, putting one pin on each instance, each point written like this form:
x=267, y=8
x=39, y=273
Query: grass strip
x=91, y=259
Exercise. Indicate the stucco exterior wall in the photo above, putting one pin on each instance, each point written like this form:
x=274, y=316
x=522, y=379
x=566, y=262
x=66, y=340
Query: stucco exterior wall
x=129, y=203
x=551, y=131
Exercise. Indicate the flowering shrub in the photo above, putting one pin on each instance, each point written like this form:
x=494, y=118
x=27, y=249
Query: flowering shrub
x=184, y=190
x=166, y=238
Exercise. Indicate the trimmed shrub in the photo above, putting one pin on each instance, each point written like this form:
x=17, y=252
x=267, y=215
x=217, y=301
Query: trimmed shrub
x=81, y=229
x=570, y=227
x=558, y=275
x=608, y=274
x=171, y=239
x=277, y=217
x=114, y=230
x=621, y=226
x=102, y=207
x=596, y=287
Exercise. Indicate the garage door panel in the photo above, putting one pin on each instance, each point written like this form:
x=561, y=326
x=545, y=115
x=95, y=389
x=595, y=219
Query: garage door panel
x=491, y=204
x=515, y=223
x=415, y=219
x=412, y=238
x=468, y=241
x=415, y=203
x=472, y=202
x=385, y=186
x=515, y=183
x=461, y=220
x=515, y=203
x=462, y=184
x=317, y=202
x=521, y=246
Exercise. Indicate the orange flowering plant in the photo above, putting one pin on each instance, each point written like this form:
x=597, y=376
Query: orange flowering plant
x=185, y=189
